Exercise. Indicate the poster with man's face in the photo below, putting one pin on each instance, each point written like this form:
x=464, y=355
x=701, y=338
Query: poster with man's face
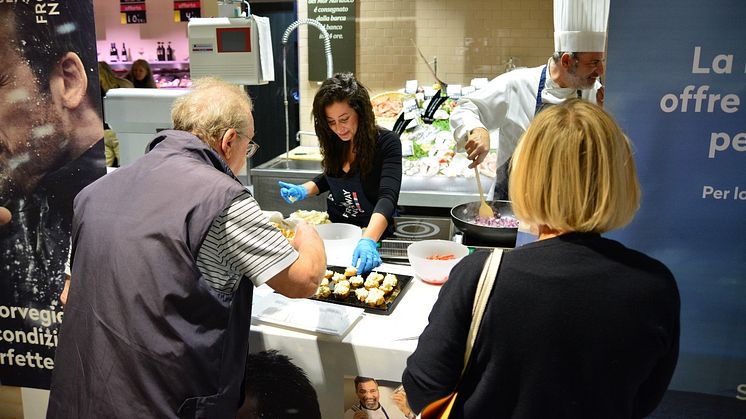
x=370, y=398
x=51, y=147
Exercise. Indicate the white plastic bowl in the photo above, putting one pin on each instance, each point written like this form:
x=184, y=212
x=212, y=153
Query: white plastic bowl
x=434, y=271
x=340, y=240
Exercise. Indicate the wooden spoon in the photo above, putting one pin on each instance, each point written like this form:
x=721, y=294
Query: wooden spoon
x=484, y=209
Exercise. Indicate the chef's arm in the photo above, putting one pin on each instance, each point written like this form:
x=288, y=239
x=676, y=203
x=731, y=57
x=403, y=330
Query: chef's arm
x=376, y=227
x=464, y=118
x=321, y=184
x=476, y=115
x=470, y=134
x=389, y=186
x=484, y=108
x=311, y=188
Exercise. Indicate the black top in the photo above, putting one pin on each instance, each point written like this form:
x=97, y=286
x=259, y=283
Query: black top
x=382, y=185
x=577, y=326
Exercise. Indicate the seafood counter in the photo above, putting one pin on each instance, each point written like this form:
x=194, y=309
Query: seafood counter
x=430, y=185
x=439, y=177
x=435, y=172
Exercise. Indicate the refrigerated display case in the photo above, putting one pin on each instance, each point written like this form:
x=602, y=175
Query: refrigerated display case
x=167, y=74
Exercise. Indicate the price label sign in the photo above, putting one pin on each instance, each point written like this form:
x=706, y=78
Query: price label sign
x=132, y=12
x=185, y=10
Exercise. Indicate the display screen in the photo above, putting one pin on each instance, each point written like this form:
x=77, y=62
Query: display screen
x=234, y=39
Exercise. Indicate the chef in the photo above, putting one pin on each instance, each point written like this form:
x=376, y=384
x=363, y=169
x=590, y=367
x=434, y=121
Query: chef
x=509, y=102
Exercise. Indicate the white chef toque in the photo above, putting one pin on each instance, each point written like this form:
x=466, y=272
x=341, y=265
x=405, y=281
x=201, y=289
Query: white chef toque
x=580, y=25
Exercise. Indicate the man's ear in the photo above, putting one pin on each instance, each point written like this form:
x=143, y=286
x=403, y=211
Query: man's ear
x=566, y=60
x=69, y=82
x=228, y=143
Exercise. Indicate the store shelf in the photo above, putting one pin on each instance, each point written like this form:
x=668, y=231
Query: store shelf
x=155, y=65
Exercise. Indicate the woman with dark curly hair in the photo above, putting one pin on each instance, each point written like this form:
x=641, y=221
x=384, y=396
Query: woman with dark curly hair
x=361, y=165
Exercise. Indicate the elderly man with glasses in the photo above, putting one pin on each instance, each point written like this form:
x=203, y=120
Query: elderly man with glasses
x=166, y=253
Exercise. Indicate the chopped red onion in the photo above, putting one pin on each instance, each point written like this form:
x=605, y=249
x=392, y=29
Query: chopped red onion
x=497, y=221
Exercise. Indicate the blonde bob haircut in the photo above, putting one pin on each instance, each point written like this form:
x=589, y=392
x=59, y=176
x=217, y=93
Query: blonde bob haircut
x=573, y=171
x=212, y=107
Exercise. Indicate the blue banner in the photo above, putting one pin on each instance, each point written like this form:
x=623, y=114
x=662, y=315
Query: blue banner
x=676, y=82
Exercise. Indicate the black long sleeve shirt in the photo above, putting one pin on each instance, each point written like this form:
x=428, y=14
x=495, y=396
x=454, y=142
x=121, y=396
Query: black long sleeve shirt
x=577, y=326
x=383, y=184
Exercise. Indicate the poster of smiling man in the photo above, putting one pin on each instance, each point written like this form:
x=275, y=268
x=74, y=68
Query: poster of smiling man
x=50, y=148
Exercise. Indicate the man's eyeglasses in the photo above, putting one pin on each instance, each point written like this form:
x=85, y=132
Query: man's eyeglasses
x=251, y=149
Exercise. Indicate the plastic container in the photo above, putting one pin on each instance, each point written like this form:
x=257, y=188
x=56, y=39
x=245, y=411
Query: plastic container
x=435, y=271
x=340, y=241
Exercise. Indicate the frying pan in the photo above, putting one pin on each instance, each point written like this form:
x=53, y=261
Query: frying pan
x=463, y=214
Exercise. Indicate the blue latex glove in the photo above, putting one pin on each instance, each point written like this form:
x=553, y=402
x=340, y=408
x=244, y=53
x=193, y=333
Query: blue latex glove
x=292, y=193
x=365, y=257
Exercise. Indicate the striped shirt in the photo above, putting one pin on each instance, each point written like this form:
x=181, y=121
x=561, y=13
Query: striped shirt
x=241, y=242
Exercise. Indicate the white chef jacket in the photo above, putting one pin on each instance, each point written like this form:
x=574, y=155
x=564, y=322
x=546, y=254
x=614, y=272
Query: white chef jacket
x=507, y=104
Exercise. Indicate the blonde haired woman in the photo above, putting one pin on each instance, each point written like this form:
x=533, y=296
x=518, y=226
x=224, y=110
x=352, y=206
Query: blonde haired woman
x=577, y=325
x=109, y=80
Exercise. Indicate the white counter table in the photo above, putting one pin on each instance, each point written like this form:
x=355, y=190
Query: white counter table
x=375, y=346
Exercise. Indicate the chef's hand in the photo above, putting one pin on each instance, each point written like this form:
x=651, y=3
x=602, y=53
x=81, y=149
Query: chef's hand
x=600, y=94
x=365, y=257
x=477, y=146
x=291, y=193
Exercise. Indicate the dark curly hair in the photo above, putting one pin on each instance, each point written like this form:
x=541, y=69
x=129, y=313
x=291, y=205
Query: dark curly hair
x=343, y=87
x=276, y=388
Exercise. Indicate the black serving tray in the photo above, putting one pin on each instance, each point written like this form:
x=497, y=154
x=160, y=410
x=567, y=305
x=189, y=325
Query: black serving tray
x=390, y=301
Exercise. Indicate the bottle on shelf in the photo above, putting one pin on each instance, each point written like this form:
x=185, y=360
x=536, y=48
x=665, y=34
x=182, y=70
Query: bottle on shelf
x=113, y=53
x=169, y=52
x=161, y=52
x=124, y=56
